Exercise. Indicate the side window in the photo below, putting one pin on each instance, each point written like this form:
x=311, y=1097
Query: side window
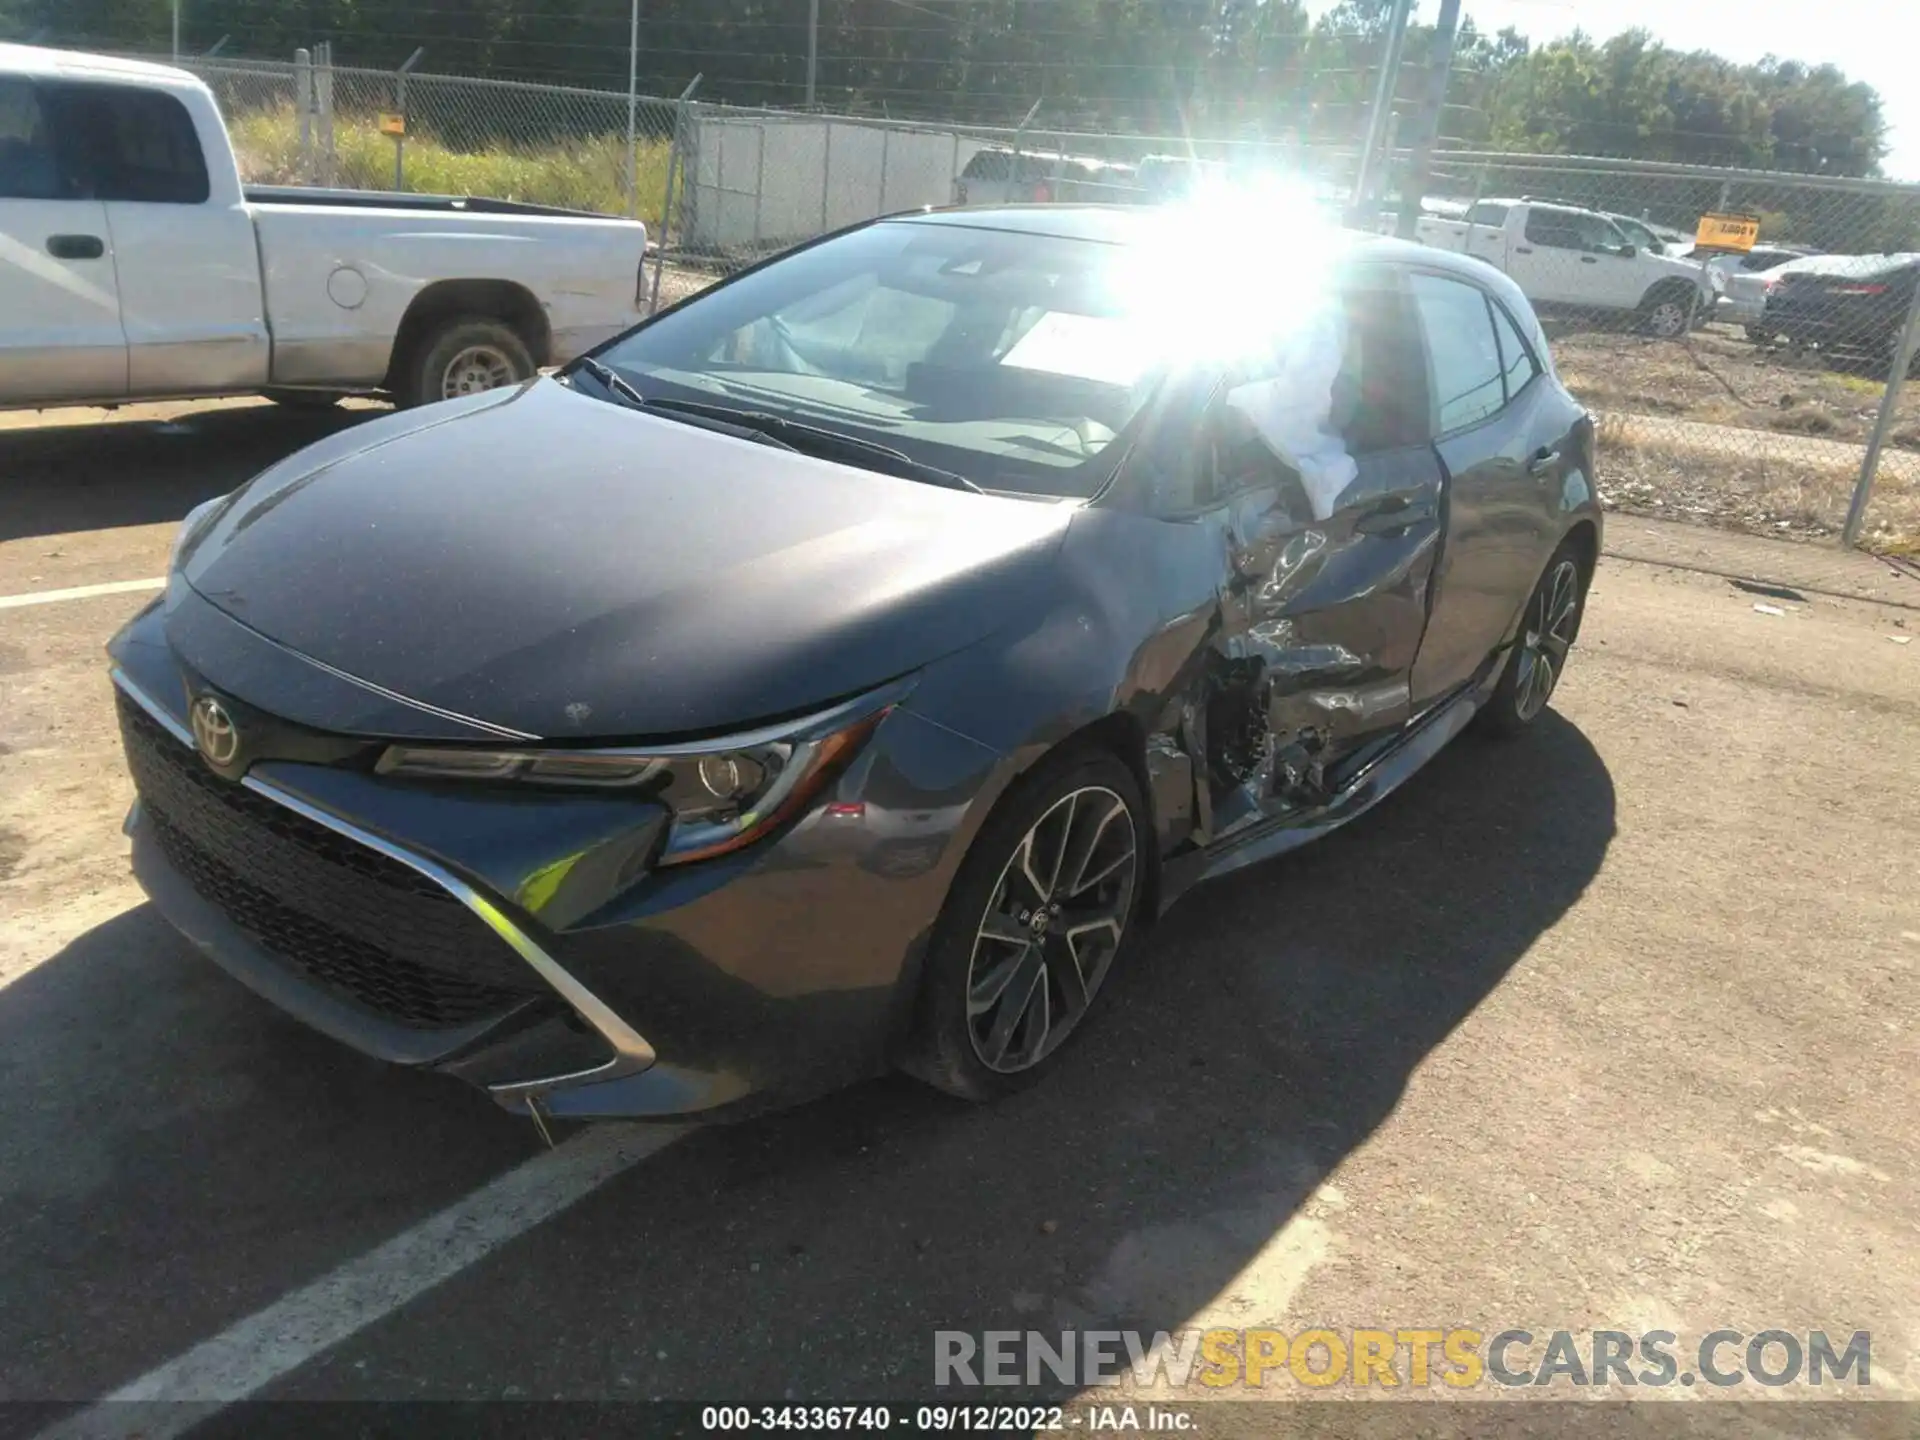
x=28, y=169
x=1463, y=357
x=1488, y=212
x=129, y=144
x=1376, y=401
x=1597, y=233
x=1515, y=354
x=1552, y=228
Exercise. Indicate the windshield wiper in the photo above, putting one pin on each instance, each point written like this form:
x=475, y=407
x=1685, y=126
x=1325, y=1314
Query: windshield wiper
x=778, y=430
x=826, y=444
x=617, y=385
x=613, y=381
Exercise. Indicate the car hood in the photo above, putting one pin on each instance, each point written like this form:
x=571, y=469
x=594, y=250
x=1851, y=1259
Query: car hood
x=567, y=568
x=1702, y=276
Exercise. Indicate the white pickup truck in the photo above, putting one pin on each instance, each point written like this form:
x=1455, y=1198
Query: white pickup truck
x=1567, y=259
x=133, y=266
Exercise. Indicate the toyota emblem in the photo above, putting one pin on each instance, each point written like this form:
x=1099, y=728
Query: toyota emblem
x=214, y=732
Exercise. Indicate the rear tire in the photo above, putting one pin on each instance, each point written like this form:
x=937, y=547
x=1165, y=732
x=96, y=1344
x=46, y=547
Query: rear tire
x=1039, y=914
x=1548, y=628
x=463, y=356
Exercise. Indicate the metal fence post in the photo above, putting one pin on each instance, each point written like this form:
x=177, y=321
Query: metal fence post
x=400, y=104
x=676, y=164
x=303, y=106
x=323, y=95
x=826, y=170
x=633, y=111
x=1883, y=423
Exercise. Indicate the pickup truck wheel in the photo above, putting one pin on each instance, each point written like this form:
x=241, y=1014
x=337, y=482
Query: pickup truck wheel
x=1667, y=315
x=463, y=357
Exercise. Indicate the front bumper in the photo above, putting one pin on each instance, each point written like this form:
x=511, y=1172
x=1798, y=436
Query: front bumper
x=761, y=977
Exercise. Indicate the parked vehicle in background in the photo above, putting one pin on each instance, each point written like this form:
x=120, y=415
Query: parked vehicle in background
x=843, y=667
x=1749, y=280
x=1844, y=304
x=1569, y=260
x=1001, y=177
x=1169, y=178
x=140, y=269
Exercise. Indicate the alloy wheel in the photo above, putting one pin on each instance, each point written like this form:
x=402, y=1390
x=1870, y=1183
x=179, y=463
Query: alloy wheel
x=1669, y=318
x=476, y=368
x=1052, y=927
x=1547, y=639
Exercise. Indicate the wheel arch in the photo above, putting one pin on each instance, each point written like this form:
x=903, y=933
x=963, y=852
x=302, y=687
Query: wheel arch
x=1672, y=287
x=504, y=300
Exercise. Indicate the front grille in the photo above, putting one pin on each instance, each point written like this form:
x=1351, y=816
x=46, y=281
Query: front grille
x=349, y=918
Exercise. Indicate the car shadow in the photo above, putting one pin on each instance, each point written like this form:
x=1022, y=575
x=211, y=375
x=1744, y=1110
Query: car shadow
x=202, y=1153
x=1264, y=1033
x=66, y=476
x=175, y=1153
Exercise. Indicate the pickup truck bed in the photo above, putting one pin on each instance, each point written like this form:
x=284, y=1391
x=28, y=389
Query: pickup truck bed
x=150, y=273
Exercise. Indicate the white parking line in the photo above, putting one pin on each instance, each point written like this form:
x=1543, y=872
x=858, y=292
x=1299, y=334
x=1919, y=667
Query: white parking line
x=273, y=1342
x=80, y=592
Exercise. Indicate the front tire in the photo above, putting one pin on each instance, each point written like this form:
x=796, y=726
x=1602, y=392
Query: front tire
x=1548, y=629
x=1040, y=912
x=463, y=356
x=1667, y=314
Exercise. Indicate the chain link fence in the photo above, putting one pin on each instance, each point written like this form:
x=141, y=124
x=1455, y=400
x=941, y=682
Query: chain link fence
x=1745, y=383
x=308, y=122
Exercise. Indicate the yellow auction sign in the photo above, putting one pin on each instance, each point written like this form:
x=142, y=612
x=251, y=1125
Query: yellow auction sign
x=392, y=124
x=1728, y=232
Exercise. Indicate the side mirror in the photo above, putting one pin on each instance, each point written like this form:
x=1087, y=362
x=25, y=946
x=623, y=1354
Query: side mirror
x=1626, y=252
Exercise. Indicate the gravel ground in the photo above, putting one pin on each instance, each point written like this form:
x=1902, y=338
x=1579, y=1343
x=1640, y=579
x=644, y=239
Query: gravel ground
x=1719, y=431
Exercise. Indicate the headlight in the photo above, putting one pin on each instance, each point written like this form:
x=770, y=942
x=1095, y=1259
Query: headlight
x=723, y=795
x=197, y=520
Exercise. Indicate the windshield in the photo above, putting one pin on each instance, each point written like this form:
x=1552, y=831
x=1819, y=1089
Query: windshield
x=1007, y=358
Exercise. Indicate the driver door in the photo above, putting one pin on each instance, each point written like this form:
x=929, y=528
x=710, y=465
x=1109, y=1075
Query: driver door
x=1324, y=597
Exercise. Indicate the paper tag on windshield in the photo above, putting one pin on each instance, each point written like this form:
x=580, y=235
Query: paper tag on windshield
x=1089, y=347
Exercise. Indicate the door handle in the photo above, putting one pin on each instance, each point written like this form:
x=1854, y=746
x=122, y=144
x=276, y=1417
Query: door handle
x=1544, y=462
x=1523, y=249
x=1589, y=260
x=76, y=247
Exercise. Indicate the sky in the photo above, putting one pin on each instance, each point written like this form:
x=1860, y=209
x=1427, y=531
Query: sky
x=1853, y=34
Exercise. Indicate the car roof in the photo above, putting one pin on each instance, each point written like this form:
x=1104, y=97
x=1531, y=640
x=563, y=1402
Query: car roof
x=1140, y=224
x=35, y=62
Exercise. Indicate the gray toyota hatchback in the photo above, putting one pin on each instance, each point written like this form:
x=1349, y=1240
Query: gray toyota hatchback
x=841, y=669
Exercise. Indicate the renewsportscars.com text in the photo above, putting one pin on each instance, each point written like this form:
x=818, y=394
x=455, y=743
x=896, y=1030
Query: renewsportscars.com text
x=1459, y=1359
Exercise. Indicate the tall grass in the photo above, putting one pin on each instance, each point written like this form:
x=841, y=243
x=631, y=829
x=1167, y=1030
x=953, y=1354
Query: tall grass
x=588, y=173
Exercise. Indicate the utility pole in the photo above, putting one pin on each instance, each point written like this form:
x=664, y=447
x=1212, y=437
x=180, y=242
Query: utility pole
x=1427, y=134
x=633, y=111
x=176, y=32
x=813, y=46
x=1366, y=173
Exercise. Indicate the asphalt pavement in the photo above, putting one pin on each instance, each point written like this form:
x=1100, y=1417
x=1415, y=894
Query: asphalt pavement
x=1612, y=1027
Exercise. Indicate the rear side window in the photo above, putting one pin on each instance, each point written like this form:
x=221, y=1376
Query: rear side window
x=28, y=168
x=1463, y=355
x=1488, y=212
x=1516, y=356
x=120, y=143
